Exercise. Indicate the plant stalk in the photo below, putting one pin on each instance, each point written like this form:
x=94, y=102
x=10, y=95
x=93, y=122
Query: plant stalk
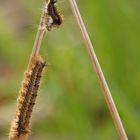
x=39, y=37
x=99, y=73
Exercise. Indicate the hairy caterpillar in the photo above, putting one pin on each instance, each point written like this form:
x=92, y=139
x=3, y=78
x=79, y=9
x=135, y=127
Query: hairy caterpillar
x=52, y=15
x=26, y=100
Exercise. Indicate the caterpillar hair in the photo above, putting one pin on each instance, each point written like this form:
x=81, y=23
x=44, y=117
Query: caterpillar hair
x=26, y=100
x=34, y=94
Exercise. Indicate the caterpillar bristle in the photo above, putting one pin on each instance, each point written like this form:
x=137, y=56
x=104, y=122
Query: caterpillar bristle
x=20, y=126
x=34, y=93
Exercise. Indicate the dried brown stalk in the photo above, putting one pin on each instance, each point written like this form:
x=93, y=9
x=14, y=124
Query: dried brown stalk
x=50, y=18
x=103, y=84
x=20, y=127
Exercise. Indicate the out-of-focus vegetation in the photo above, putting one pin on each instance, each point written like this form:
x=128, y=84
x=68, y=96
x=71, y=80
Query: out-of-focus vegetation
x=70, y=105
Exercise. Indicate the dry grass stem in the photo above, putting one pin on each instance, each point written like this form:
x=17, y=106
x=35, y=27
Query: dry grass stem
x=99, y=72
x=50, y=18
x=21, y=125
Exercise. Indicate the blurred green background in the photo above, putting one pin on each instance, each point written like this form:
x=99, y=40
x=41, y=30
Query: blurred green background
x=70, y=105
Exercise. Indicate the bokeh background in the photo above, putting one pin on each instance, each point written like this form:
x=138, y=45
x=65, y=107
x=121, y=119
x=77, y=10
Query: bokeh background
x=70, y=105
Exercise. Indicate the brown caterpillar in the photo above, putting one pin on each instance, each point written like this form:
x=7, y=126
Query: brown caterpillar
x=34, y=94
x=51, y=15
x=20, y=125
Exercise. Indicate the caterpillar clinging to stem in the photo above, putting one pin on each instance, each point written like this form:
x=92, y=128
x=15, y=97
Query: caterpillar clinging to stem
x=21, y=125
x=52, y=15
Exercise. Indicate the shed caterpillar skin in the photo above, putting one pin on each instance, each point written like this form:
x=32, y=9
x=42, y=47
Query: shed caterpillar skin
x=51, y=15
x=20, y=126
